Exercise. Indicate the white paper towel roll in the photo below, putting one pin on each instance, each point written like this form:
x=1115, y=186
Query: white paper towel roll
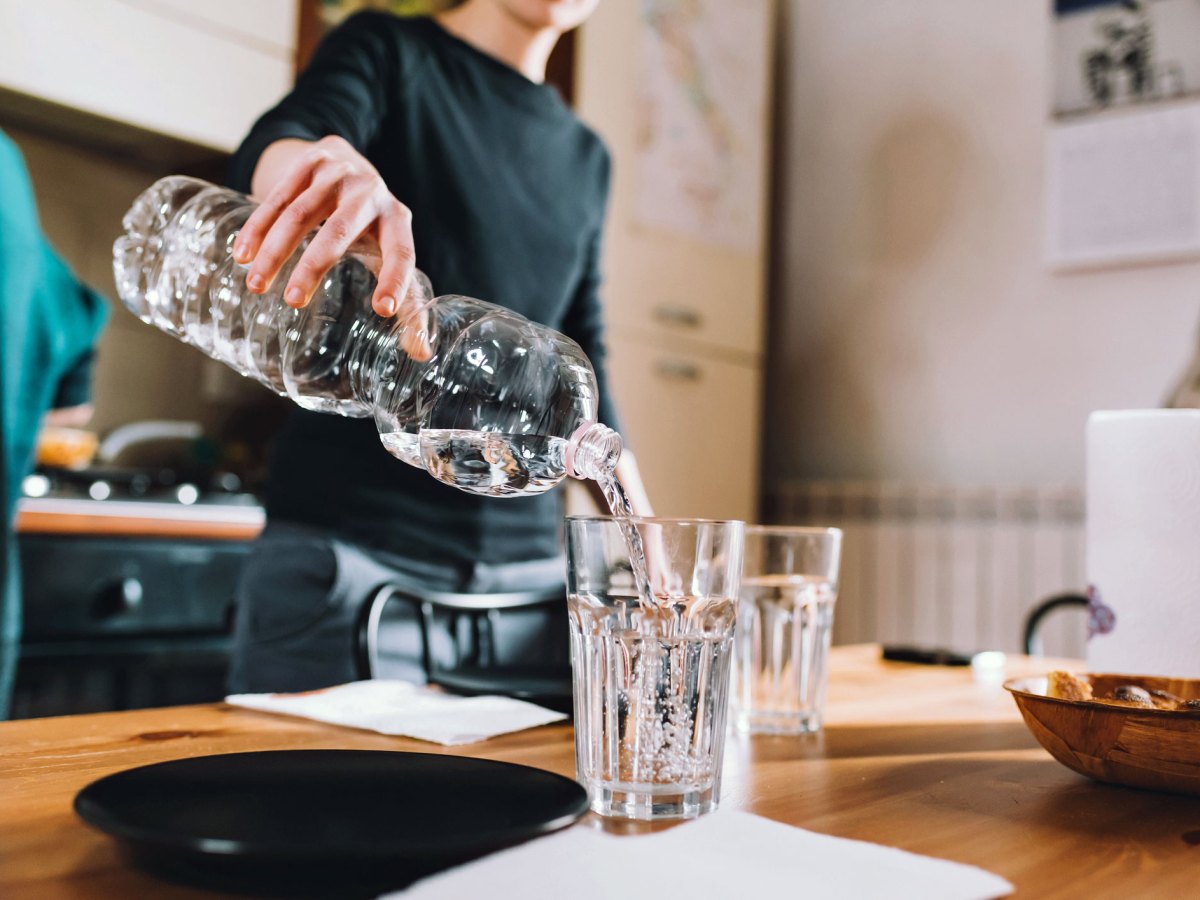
x=1143, y=542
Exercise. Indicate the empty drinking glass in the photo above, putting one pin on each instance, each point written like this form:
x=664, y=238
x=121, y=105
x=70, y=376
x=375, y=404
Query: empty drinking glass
x=785, y=621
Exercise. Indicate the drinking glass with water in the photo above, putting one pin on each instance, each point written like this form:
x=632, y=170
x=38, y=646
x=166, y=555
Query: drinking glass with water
x=785, y=622
x=651, y=674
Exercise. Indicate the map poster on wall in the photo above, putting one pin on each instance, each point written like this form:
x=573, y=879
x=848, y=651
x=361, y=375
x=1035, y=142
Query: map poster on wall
x=702, y=119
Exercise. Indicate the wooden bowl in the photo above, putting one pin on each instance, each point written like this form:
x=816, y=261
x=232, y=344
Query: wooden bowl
x=1158, y=749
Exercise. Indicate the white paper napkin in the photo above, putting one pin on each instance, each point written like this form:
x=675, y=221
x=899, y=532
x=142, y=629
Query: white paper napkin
x=727, y=854
x=401, y=708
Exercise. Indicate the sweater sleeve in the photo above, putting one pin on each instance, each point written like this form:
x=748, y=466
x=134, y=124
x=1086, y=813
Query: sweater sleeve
x=81, y=313
x=584, y=319
x=343, y=91
x=584, y=323
x=75, y=386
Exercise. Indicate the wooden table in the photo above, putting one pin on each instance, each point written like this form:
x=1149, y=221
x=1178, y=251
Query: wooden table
x=918, y=757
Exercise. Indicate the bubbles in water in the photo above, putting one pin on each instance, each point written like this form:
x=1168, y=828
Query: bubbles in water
x=670, y=691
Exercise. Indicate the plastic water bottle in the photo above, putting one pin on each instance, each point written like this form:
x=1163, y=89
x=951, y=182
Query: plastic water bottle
x=478, y=396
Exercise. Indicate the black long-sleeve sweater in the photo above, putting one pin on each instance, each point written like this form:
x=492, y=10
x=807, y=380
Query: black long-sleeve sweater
x=507, y=189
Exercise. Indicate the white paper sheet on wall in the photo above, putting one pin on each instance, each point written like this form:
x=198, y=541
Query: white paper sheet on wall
x=1124, y=187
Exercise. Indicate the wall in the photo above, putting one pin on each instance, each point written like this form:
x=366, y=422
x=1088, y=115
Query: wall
x=916, y=333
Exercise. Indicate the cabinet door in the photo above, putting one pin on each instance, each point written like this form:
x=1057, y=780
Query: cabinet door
x=685, y=247
x=693, y=423
x=154, y=66
x=262, y=23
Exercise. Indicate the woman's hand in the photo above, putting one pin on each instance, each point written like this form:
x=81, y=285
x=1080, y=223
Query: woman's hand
x=69, y=416
x=305, y=184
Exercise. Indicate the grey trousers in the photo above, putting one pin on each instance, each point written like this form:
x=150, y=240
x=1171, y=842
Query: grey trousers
x=301, y=592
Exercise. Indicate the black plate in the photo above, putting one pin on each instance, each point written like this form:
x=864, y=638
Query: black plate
x=323, y=822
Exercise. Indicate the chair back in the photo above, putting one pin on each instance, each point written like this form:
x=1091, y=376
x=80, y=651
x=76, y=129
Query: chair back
x=477, y=666
x=1031, y=641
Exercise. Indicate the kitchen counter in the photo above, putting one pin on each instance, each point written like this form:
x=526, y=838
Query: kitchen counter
x=917, y=757
x=139, y=518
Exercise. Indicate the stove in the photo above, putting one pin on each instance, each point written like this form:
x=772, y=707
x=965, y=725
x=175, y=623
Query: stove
x=128, y=582
x=115, y=483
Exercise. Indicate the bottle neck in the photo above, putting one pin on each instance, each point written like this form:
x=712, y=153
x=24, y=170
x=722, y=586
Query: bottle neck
x=592, y=451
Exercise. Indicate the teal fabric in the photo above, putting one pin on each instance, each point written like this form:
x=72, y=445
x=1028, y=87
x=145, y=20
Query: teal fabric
x=50, y=321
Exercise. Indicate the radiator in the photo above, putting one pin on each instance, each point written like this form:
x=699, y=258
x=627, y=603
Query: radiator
x=948, y=566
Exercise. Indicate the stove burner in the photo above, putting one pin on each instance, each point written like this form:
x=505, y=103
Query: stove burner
x=165, y=485
x=35, y=485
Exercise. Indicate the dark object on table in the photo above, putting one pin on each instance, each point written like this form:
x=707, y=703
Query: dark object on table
x=323, y=822
x=925, y=655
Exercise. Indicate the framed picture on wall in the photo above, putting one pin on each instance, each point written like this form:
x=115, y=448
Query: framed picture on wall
x=1122, y=180
x=1110, y=53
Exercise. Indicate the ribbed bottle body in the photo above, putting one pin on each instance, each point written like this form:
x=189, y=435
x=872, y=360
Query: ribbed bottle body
x=475, y=394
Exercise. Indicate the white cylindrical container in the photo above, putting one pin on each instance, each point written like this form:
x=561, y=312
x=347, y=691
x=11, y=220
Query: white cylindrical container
x=1143, y=542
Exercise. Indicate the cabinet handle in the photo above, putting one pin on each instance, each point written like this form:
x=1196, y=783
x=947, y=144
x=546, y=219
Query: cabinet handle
x=677, y=370
x=678, y=315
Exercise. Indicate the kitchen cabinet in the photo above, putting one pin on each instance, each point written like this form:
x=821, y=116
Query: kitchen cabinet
x=693, y=423
x=685, y=315
x=199, y=72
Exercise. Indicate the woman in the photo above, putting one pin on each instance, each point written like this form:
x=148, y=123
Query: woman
x=438, y=137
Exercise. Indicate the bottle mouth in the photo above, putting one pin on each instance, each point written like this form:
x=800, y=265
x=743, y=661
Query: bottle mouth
x=592, y=450
x=573, y=446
